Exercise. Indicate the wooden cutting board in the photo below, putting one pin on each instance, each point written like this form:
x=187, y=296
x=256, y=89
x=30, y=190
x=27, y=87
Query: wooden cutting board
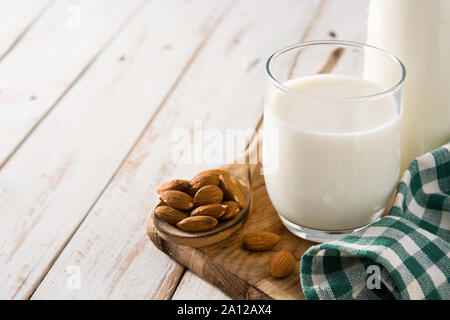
x=239, y=273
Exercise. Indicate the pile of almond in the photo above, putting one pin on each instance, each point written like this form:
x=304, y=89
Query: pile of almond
x=282, y=263
x=198, y=205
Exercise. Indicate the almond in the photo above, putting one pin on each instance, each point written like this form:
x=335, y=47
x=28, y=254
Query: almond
x=232, y=190
x=282, y=264
x=170, y=215
x=260, y=240
x=203, y=180
x=177, y=184
x=215, y=210
x=197, y=223
x=216, y=172
x=231, y=211
x=190, y=191
x=177, y=199
x=208, y=195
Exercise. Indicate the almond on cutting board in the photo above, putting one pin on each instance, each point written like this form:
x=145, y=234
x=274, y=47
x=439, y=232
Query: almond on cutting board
x=203, y=180
x=282, y=264
x=232, y=190
x=176, y=184
x=231, y=211
x=197, y=223
x=260, y=240
x=207, y=195
x=177, y=199
x=215, y=210
x=170, y=215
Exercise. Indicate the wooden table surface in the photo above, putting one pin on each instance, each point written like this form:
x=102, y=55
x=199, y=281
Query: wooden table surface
x=90, y=92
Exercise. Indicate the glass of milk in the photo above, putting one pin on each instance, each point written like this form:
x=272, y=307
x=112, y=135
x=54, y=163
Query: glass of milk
x=331, y=142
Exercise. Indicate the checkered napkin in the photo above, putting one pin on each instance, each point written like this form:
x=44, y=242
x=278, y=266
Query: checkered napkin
x=405, y=255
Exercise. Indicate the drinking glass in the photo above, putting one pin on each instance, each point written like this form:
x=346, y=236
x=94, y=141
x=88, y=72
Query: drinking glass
x=331, y=139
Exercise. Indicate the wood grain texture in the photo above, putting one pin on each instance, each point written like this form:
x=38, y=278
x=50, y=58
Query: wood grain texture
x=134, y=88
x=192, y=287
x=16, y=18
x=58, y=173
x=49, y=58
x=339, y=20
x=221, y=80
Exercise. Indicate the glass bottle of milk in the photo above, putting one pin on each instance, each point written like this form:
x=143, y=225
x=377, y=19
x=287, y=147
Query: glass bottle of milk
x=418, y=32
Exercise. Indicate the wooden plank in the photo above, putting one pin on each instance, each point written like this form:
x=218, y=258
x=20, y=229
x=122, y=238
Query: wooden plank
x=54, y=179
x=341, y=20
x=50, y=58
x=227, y=76
x=16, y=18
x=192, y=287
x=337, y=19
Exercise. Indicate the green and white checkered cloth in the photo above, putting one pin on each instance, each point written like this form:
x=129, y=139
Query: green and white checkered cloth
x=409, y=247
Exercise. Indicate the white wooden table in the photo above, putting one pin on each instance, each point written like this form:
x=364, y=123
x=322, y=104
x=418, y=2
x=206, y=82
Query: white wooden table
x=90, y=91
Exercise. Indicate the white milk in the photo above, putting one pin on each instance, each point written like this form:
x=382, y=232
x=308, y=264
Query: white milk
x=417, y=32
x=338, y=159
